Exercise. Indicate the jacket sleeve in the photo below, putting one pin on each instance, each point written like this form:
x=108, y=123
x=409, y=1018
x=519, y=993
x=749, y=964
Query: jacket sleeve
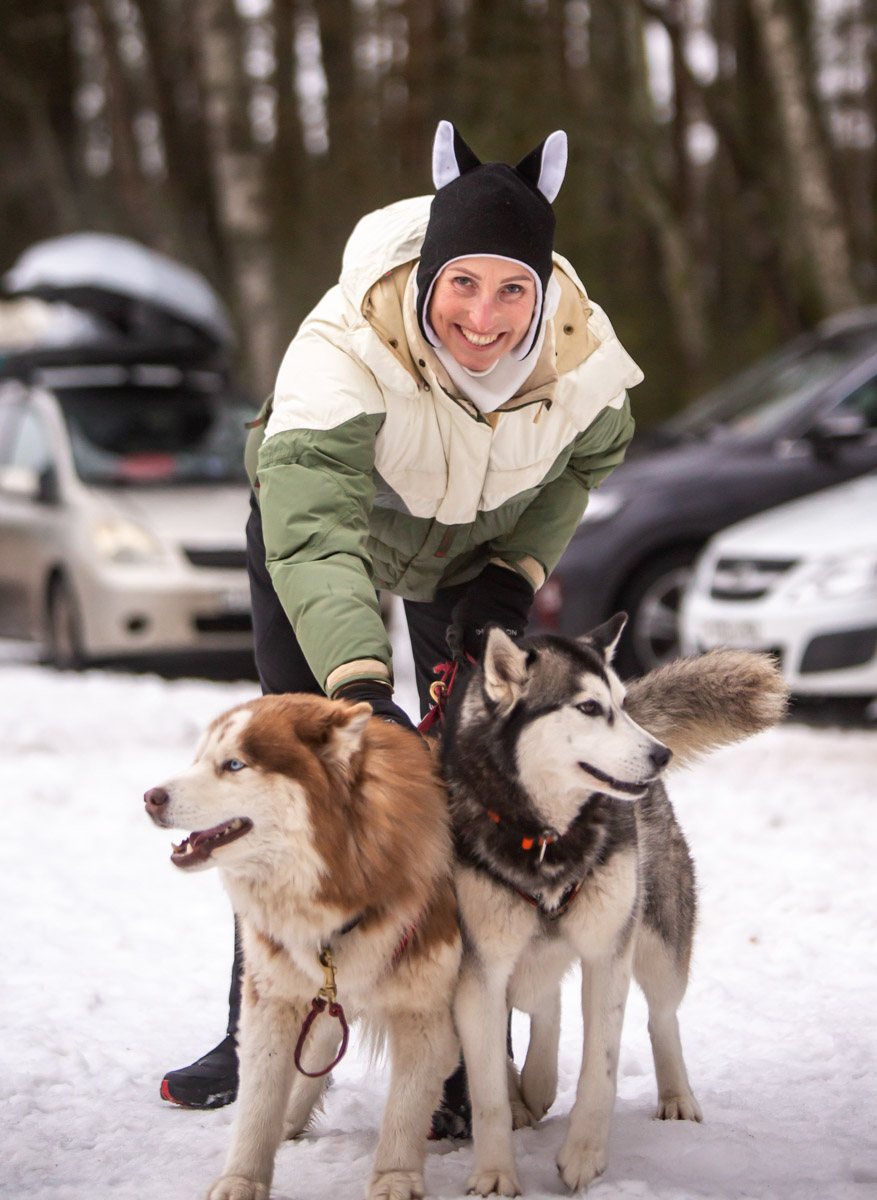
x=546, y=526
x=315, y=495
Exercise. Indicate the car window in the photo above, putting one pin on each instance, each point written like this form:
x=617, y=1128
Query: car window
x=863, y=400
x=29, y=444
x=759, y=400
x=143, y=436
x=9, y=403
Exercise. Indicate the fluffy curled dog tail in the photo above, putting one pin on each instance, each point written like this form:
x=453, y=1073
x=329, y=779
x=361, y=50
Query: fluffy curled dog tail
x=694, y=705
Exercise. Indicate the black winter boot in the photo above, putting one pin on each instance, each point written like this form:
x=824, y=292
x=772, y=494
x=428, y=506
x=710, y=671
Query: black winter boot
x=453, y=1117
x=212, y=1080
x=209, y=1082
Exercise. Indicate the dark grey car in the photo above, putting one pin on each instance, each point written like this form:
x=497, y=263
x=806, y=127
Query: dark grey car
x=800, y=420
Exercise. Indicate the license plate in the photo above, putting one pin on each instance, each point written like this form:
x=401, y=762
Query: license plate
x=730, y=633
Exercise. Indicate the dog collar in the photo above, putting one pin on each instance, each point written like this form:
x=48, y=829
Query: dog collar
x=542, y=840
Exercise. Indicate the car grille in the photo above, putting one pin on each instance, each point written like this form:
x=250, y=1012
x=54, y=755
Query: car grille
x=839, y=651
x=747, y=578
x=199, y=557
x=225, y=623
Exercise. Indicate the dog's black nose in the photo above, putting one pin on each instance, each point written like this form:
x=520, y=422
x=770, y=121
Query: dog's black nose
x=155, y=798
x=660, y=756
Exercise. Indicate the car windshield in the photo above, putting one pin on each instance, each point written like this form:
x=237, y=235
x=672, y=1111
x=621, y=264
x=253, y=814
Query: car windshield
x=139, y=436
x=758, y=401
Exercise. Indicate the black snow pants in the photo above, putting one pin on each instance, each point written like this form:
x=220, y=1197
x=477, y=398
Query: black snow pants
x=282, y=667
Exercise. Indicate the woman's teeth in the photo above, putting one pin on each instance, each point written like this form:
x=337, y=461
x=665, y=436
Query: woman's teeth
x=478, y=339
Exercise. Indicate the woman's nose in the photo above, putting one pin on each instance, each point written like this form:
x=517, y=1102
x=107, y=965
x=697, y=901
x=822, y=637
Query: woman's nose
x=482, y=312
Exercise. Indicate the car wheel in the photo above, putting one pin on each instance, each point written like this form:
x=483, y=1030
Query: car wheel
x=652, y=598
x=64, y=649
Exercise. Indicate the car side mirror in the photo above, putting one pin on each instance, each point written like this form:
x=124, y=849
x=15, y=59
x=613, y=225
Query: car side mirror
x=49, y=489
x=829, y=434
x=25, y=483
x=22, y=482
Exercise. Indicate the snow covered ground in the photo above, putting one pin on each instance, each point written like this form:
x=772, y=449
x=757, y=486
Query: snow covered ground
x=115, y=968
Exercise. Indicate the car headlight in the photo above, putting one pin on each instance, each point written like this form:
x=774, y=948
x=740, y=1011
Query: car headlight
x=124, y=541
x=845, y=578
x=603, y=505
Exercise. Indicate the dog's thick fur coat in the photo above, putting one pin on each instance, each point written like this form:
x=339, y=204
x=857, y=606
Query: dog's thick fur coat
x=544, y=756
x=330, y=830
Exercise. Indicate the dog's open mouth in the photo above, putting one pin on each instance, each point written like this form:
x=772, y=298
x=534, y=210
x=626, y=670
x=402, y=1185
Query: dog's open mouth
x=198, y=846
x=636, y=791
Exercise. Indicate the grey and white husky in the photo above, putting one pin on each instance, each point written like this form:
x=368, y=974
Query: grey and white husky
x=568, y=850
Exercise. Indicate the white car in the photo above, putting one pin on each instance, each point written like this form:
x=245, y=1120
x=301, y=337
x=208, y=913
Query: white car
x=123, y=496
x=799, y=581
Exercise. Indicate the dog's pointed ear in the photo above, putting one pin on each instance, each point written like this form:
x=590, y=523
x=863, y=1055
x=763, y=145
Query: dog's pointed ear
x=545, y=167
x=451, y=157
x=604, y=639
x=344, y=735
x=505, y=669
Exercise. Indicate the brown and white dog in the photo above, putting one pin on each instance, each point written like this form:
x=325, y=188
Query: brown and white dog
x=330, y=831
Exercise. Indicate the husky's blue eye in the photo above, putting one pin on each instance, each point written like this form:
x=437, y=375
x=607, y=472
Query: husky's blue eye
x=590, y=708
x=233, y=764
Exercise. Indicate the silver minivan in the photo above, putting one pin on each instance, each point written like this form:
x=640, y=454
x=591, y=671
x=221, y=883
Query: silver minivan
x=123, y=499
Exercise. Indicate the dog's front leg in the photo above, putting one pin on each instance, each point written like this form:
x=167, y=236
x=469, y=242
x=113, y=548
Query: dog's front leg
x=481, y=1011
x=266, y=1046
x=423, y=1051
x=605, y=984
x=539, y=1076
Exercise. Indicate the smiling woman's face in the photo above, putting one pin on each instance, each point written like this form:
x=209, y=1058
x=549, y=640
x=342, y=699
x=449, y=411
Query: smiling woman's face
x=481, y=308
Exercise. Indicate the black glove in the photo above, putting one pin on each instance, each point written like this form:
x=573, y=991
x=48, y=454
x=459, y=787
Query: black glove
x=379, y=696
x=499, y=596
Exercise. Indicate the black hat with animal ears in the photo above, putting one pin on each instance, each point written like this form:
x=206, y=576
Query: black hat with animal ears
x=490, y=209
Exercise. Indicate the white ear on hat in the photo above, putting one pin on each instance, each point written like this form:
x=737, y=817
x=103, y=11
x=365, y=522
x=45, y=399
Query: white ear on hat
x=451, y=157
x=555, y=152
x=444, y=161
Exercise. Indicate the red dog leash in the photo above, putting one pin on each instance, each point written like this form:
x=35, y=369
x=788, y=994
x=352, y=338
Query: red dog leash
x=325, y=996
x=439, y=693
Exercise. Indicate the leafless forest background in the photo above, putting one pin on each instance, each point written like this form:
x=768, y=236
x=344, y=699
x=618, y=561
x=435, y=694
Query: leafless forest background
x=721, y=193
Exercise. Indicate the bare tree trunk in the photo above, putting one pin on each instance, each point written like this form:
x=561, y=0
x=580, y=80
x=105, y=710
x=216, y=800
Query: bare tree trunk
x=823, y=228
x=665, y=206
x=238, y=169
x=174, y=90
x=17, y=89
x=37, y=126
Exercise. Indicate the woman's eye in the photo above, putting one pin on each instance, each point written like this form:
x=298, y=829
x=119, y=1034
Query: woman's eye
x=233, y=764
x=514, y=289
x=463, y=280
x=590, y=708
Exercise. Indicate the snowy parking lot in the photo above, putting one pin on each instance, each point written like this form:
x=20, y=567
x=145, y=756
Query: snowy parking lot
x=116, y=969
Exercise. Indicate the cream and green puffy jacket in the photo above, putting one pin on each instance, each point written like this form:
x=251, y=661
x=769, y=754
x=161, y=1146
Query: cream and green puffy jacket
x=372, y=471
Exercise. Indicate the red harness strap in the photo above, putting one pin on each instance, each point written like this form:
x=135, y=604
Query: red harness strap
x=552, y=913
x=439, y=692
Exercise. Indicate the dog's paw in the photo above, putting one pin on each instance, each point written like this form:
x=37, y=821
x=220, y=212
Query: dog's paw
x=538, y=1094
x=501, y=1181
x=522, y=1117
x=580, y=1164
x=236, y=1187
x=396, y=1185
x=678, y=1108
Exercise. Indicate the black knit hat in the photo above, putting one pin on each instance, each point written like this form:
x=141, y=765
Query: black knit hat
x=490, y=209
